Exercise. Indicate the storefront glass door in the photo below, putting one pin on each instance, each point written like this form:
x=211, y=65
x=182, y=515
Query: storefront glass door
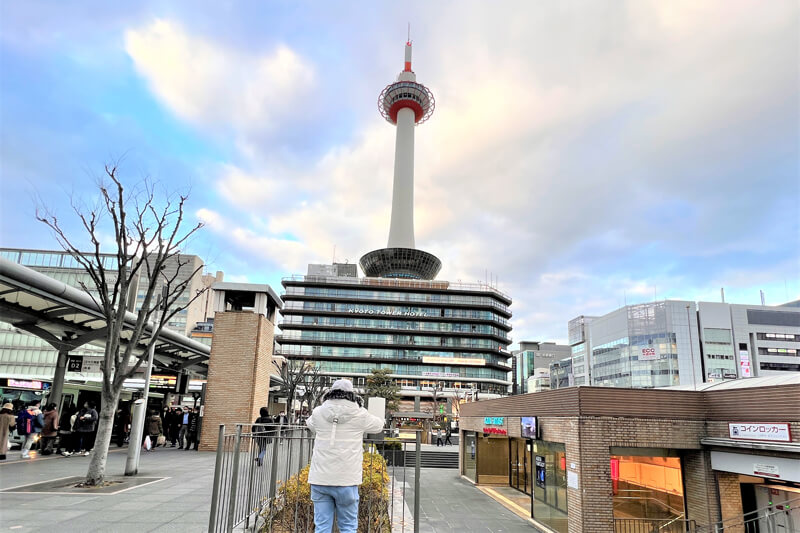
x=520, y=469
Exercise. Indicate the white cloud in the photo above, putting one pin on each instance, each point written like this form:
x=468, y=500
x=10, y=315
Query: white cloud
x=584, y=155
x=211, y=84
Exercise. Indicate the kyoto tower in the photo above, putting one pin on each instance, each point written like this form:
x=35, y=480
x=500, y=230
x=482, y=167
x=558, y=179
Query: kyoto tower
x=404, y=103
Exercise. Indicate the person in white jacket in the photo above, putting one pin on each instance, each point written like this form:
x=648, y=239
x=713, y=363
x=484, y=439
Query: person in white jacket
x=339, y=425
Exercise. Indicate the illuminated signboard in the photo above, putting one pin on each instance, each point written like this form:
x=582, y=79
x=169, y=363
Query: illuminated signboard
x=453, y=361
x=530, y=427
x=25, y=384
x=493, y=420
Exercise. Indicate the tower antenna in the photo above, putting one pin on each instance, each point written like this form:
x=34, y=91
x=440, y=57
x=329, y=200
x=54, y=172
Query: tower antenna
x=408, y=40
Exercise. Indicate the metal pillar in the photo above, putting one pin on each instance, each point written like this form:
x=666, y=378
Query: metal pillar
x=135, y=441
x=58, y=379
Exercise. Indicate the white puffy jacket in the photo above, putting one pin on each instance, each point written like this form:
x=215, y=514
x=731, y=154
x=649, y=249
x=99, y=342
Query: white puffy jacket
x=339, y=427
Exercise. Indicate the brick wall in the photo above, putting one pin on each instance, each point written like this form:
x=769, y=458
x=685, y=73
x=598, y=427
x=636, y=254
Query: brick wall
x=730, y=497
x=238, y=373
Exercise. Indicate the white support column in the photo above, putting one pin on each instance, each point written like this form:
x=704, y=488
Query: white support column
x=401, y=231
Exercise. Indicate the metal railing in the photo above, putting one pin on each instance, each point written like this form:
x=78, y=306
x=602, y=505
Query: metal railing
x=653, y=525
x=260, y=483
x=774, y=518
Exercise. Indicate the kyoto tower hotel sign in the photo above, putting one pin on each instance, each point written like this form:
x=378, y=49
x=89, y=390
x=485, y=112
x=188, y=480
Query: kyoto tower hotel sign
x=404, y=103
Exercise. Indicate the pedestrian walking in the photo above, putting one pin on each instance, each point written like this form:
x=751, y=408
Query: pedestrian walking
x=439, y=441
x=50, y=429
x=448, y=432
x=30, y=422
x=65, y=435
x=260, y=428
x=194, y=425
x=7, y=424
x=154, y=428
x=84, y=428
x=339, y=425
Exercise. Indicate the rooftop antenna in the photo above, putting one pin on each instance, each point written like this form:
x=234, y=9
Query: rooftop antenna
x=334, y=254
x=763, y=302
x=408, y=40
x=722, y=293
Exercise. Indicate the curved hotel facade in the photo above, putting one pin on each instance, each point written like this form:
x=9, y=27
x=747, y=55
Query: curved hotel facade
x=430, y=334
x=437, y=338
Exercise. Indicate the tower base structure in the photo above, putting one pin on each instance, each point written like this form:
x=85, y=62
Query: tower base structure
x=403, y=263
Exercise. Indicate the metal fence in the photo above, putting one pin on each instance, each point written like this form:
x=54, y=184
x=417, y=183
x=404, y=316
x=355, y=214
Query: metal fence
x=260, y=483
x=647, y=525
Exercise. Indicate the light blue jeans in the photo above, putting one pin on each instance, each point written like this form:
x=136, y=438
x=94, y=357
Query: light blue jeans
x=343, y=500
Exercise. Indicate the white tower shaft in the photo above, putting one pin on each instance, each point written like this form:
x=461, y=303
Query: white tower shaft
x=401, y=230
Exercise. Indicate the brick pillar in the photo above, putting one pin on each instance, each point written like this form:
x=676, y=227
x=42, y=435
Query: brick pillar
x=702, y=504
x=591, y=506
x=730, y=498
x=238, y=373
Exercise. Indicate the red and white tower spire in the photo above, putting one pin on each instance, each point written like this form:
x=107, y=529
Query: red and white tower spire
x=404, y=103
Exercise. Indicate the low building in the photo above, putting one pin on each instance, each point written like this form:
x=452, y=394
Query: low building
x=539, y=381
x=613, y=459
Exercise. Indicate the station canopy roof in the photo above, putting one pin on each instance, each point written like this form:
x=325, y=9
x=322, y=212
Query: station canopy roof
x=68, y=317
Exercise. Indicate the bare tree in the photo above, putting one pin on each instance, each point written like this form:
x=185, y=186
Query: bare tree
x=293, y=376
x=315, y=385
x=148, y=234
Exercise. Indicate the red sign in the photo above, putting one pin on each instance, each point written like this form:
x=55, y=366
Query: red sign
x=495, y=431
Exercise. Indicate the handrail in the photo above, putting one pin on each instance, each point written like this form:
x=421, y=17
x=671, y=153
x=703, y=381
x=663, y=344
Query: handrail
x=742, y=519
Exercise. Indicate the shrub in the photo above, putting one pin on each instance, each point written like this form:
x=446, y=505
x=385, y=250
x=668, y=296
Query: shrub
x=293, y=509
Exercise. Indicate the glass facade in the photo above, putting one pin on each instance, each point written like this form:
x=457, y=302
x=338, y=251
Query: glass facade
x=644, y=361
x=550, y=484
x=348, y=330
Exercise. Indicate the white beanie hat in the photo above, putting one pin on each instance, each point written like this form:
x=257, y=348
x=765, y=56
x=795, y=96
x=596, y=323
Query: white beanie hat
x=342, y=384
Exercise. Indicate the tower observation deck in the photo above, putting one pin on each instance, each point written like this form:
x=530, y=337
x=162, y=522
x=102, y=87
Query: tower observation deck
x=404, y=103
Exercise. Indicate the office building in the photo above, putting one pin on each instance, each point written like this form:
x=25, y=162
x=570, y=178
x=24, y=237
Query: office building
x=531, y=356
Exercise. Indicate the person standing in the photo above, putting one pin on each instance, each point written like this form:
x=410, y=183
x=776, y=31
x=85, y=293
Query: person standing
x=65, y=436
x=175, y=425
x=122, y=424
x=185, y=416
x=339, y=425
x=30, y=422
x=194, y=425
x=7, y=423
x=84, y=427
x=50, y=429
x=154, y=428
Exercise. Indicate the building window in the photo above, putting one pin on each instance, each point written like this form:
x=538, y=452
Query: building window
x=778, y=337
x=779, y=351
x=646, y=488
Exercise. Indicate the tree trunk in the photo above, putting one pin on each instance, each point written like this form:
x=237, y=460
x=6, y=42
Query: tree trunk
x=105, y=425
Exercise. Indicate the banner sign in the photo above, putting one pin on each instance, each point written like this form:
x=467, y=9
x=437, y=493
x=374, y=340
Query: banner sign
x=648, y=354
x=530, y=427
x=453, y=361
x=760, y=431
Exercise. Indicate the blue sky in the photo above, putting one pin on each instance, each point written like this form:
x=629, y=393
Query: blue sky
x=583, y=153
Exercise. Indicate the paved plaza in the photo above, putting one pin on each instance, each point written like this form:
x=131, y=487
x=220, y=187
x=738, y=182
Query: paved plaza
x=180, y=502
